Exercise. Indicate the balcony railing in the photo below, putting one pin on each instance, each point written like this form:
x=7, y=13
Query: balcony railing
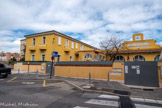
x=43, y=47
x=67, y=49
x=32, y=48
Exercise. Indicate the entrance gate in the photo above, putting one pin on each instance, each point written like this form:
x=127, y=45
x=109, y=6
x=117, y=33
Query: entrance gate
x=48, y=67
x=143, y=73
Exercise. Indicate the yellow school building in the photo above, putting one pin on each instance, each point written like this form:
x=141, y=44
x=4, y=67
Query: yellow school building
x=39, y=47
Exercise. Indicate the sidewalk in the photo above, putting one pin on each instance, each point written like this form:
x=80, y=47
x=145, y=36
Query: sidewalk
x=101, y=86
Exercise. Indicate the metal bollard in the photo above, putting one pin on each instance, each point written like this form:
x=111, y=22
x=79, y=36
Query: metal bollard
x=18, y=71
x=37, y=74
x=108, y=76
x=90, y=78
x=28, y=69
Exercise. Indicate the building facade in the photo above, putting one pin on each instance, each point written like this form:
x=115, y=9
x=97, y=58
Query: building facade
x=139, y=49
x=22, y=48
x=5, y=57
x=39, y=47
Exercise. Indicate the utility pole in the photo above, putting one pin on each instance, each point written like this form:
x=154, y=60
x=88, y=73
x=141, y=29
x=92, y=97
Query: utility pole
x=51, y=66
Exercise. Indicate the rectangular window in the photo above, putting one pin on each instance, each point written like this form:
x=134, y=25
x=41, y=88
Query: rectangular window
x=71, y=58
x=32, y=57
x=59, y=58
x=138, y=38
x=33, y=42
x=67, y=43
x=72, y=44
x=59, y=40
x=44, y=40
x=81, y=47
x=76, y=45
x=43, y=57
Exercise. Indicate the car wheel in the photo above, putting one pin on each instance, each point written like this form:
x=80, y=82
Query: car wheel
x=5, y=76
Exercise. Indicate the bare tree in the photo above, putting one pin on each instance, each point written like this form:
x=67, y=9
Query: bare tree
x=111, y=45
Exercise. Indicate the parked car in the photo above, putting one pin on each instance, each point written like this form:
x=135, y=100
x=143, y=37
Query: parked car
x=4, y=72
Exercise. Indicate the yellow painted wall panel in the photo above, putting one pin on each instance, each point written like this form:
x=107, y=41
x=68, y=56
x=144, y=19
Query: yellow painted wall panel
x=82, y=71
x=15, y=67
x=96, y=71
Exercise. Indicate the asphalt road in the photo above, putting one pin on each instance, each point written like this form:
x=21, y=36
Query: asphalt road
x=31, y=94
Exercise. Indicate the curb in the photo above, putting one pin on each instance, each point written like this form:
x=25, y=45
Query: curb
x=92, y=91
x=104, y=92
x=74, y=85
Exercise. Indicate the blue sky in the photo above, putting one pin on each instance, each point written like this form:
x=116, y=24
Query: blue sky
x=89, y=21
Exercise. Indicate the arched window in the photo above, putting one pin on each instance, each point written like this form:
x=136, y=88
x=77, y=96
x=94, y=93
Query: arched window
x=87, y=56
x=138, y=58
x=157, y=58
x=119, y=58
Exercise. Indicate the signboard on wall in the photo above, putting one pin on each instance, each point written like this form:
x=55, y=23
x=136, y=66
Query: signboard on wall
x=138, y=71
x=126, y=69
x=42, y=67
x=135, y=67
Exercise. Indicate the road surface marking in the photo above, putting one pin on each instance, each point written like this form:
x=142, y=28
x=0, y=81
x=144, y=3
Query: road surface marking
x=80, y=107
x=12, y=79
x=28, y=82
x=138, y=99
x=109, y=96
x=150, y=101
x=145, y=106
x=53, y=84
x=102, y=102
x=159, y=101
x=146, y=100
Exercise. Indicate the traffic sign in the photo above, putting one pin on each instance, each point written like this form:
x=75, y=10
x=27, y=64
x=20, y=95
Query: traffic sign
x=54, y=53
x=52, y=58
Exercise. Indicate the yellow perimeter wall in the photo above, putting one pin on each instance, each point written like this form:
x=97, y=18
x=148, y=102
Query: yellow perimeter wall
x=32, y=68
x=97, y=72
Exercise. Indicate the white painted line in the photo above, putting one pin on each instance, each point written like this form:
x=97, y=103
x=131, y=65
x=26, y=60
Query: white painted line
x=150, y=101
x=159, y=101
x=138, y=99
x=80, y=107
x=102, y=102
x=12, y=79
x=28, y=82
x=109, y=96
x=145, y=106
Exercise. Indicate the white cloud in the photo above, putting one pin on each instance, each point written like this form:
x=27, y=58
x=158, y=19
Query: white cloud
x=160, y=43
x=94, y=19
